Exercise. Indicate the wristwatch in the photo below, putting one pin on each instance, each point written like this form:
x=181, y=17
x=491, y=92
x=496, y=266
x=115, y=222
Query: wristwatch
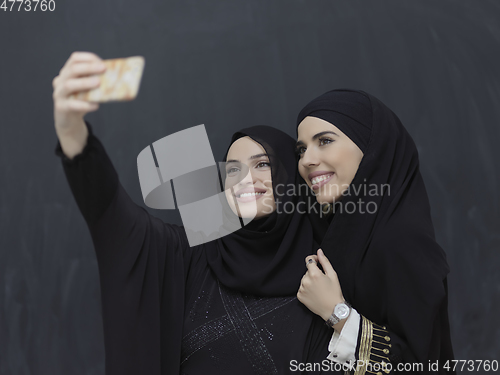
x=341, y=311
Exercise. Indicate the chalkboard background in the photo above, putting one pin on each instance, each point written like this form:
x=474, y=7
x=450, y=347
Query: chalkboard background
x=230, y=64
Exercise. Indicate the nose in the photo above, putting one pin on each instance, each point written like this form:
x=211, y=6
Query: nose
x=309, y=158
x=249, y=179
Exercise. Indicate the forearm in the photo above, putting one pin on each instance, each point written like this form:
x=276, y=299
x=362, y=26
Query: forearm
x=90, y=174
x=73, y=137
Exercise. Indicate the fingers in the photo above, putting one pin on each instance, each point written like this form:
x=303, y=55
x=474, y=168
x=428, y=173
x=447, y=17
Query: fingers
x=83, y=56
x=81, y=69
x=74, y=105
x=79, y=64
x=325, y=263
x=313, y=257
x=311, y=261
x=74, y=85
x=79, y=73
x=77, y=57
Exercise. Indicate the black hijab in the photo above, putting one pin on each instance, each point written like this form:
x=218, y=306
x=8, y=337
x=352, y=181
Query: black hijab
x=390, y=267
x=267, y=256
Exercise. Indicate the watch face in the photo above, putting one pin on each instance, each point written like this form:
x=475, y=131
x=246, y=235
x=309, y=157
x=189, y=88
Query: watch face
x=342, y=311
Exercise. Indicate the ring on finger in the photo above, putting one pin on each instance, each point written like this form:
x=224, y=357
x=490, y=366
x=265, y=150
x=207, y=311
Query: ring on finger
x=310, y=260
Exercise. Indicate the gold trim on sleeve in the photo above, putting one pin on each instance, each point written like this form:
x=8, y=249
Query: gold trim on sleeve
x=370, y=342
x=364, y=345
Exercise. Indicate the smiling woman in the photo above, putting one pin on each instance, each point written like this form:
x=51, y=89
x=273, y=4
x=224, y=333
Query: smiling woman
x=385, y=291
x=249, y=190
x=338, y=155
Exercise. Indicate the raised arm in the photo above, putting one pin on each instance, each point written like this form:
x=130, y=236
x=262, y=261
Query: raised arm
x=78, y=74
x=141, y=260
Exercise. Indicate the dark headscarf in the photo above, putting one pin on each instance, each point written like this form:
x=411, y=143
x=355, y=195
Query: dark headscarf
x=350, y=111
x=267, y=256
x=389, y=264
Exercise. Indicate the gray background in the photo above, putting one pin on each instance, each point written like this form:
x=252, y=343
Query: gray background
x=231, y=64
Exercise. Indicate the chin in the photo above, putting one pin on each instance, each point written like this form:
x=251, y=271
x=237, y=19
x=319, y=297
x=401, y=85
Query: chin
x=322, y=199
x=265, y=209
x=251, y=212
x=328, y=194
x=248, y=213
x=325, y=198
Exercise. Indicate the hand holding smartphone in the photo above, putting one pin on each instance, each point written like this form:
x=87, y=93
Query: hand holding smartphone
x=119, y=82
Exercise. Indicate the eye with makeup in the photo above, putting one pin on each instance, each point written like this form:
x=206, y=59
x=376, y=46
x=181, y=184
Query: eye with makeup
x=300, y=150
x=322, y=141
x=263, y=164
x=233, y=170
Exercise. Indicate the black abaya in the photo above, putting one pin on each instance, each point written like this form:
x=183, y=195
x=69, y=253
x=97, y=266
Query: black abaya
x=165, y=311
x=389, y=265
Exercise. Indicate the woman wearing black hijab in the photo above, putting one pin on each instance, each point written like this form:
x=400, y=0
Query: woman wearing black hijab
x=224, y=307
x=379, y=253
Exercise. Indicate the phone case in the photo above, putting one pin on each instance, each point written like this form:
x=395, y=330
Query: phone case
x=119, y=82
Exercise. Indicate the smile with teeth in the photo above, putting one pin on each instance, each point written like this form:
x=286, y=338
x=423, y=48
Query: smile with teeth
x=315, y=180
x=243, y=195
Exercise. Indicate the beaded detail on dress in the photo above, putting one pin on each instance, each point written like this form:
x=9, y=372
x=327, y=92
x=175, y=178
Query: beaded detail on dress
x=241, y=313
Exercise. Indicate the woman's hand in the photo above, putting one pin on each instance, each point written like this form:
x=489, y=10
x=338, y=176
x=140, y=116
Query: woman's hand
x=319, y=291
x=76, y=75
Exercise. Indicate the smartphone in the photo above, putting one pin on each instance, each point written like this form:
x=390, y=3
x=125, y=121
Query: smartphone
x=120, y=81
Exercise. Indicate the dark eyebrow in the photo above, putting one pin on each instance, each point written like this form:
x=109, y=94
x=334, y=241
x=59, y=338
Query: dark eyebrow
x=250, y=158
x=316, y=136
x=258, y=156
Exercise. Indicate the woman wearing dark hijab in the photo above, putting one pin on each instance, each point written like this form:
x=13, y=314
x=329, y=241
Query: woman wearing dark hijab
x=224, y=307
x=384, y=282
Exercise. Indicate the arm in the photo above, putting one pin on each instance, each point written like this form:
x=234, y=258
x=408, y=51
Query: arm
x=141, y=263
x=355, y=338
x=378, y=343
x=141, y=260
x=321, y=292
x=77, y=74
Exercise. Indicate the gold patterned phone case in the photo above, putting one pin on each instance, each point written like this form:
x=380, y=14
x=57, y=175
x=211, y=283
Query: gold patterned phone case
x=119, y=82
